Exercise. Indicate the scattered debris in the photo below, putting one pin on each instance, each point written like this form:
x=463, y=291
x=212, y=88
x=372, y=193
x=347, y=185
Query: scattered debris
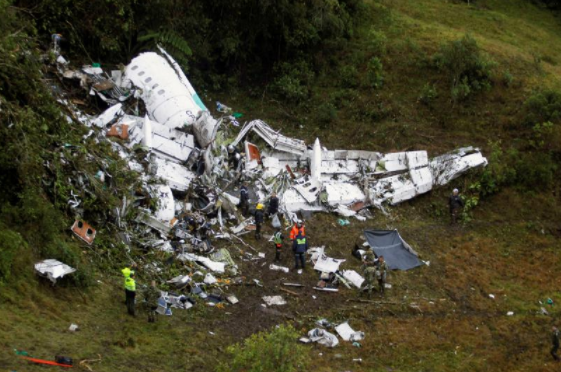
x=84, y=231
x=73, y=327
x=278, y=268
x=322, y=337
x=53, y=269
x=274, y=300
x=347, y=333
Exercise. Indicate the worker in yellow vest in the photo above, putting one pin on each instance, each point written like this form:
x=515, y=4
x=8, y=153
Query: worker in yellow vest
x=130, y=291
x=127, y=271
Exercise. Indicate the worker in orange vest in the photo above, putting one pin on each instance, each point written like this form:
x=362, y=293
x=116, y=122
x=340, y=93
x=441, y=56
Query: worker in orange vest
x=298, y=228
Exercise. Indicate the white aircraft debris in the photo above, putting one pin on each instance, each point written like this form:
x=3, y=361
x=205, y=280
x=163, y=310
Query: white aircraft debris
x=53, y=269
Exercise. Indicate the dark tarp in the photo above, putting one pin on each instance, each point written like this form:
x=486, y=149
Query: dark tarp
x=397, y=253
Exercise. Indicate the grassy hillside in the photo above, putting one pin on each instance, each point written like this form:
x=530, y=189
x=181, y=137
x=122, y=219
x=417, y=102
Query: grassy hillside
x=435, y=318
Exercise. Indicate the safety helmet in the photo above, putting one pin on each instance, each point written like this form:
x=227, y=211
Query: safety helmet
x=260, y=206
x=230, y=149
x=299, y=224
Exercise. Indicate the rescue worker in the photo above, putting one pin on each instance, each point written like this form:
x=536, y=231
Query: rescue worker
x=273, y=205
x=455, y=202
x=555, y=343
x=127, y=271
x=381, y=273
x=277, y=241
x=234, y=157
x=259, y=216
x=130, y=290
x=244, y=199
x=299, y=247
x=368, y=270
x=152, y=296
x=298, y=228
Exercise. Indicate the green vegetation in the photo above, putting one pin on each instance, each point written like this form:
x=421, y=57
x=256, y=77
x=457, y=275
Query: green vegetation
x=276, y=351
x=383, y=75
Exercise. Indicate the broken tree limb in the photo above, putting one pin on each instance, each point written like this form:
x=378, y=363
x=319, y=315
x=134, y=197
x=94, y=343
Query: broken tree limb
x=289, y=292
x=244, y=243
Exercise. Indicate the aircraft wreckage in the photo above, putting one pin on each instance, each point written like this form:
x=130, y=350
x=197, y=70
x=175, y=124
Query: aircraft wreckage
x=191, y=152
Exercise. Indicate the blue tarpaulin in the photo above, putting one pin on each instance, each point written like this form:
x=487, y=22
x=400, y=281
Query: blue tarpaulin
x=397, y=253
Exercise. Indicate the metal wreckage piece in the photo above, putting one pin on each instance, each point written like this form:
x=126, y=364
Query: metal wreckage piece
x=196, y=162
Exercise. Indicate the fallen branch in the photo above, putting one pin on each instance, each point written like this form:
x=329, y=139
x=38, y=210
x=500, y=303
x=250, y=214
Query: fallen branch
x=84, y=363
x=289, y=292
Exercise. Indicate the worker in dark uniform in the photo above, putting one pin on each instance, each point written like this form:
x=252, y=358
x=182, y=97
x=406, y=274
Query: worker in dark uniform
x=299, y=247
x=277, y=241
x=381, y=272
x=273, y=205
x=368, y=270
x=234, y=158
x=455, y=202
x=130, y=290
x=259, y=217
x=244, y=200
x=555, y=343
x=152, y=296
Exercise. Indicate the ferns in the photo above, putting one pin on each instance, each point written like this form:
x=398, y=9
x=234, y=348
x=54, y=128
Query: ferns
x=174, y=44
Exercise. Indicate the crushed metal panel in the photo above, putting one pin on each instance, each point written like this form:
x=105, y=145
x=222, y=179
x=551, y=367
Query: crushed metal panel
x=53, y=269
x=253, y=156
x=168, y=100
x=309, y=188
x=422, y=179
x=393, y=162
x=119, y=130
x=327, y=264
x=271, y=166
x=108, y=115
x=343, y=193
x=273, y=138
x=149, y=220
x=176, y=176
x=416, y=159
x=446, y=167
x=166, y=204
x=84, y=231
x=294, y=202
x=205, y=129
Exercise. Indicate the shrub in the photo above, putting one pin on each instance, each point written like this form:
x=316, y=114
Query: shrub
x=348, y=75
x=277, y=351
x=499, y=172
x=428, y=94
x=541, y=107
x=468, y=70
x=378, y=42
x=375, y=74
x=11, y=248
x=326, y=113
x=293, y=81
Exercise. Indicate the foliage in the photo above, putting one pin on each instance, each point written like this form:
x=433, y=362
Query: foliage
x=326, y=113
x=276, y=351
x=428, y=94
x=348, y=76
x=375, y=74
x=377, y=42
x=543, y=106
x=468, y=70
x=173, y=43
x=11, y=248
x=293, y=82
x=498, y=172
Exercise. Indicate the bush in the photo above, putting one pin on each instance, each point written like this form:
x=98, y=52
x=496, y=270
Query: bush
x=428, y=94
x=277, y=351
x=348, y=75
x=326, y=113
x=375, y=74
x=499, y=172
x=535, y=170
x=12, y=246
x=542, y=107
x=378, y=42
x=293, y=81
x=468, y=70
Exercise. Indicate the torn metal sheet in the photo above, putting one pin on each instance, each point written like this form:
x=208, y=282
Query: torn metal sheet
x=166, y=203
x=253, y=156
x=278, y=268
x=273, y=138
x=108, y=115
x=293, y=201
x=309, y=188
x=446, y=167
x=168, y=98
x=205, y=129
x=343, y=193
x=176, y=176
x=274, y=300
x=119, y=130
x=322, y=337
x=53, y=269
x=327, y=264
x=347, y=333
x=84, y=231
x=218, y=267
x=353, y=277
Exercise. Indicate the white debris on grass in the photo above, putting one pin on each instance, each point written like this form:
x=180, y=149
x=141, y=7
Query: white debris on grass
x=53, y=269
x=274, y=300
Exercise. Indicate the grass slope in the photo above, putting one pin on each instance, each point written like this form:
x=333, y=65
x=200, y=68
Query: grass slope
x=436, y=318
